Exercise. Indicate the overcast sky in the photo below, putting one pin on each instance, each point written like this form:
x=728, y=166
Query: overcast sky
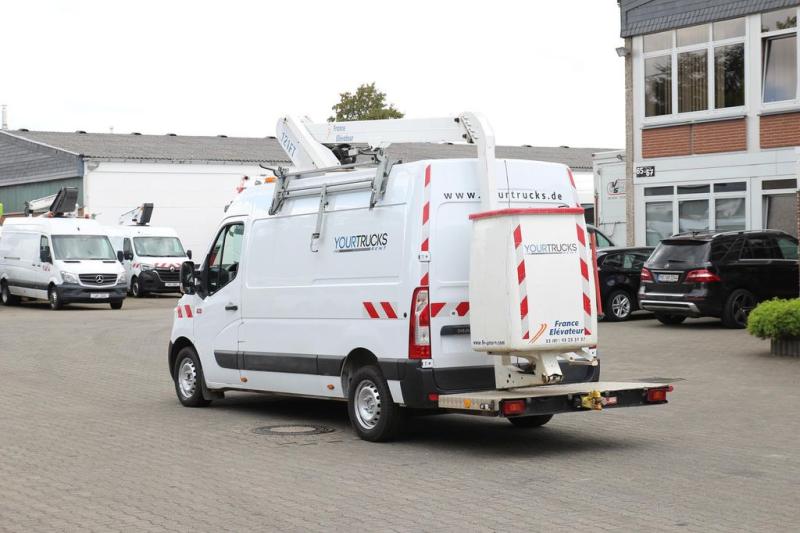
x=545, y=73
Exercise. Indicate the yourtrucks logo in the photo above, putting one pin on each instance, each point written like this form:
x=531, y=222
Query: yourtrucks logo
x=364, y=242
x=550, y=248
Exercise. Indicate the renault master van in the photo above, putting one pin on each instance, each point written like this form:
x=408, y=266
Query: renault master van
x=152, y=258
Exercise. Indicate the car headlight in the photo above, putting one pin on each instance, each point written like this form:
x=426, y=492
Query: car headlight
x=69, y=277
x=121, y=278
x=145, y=266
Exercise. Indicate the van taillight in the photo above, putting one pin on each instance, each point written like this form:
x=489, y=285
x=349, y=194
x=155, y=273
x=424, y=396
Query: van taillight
x=702, y=275
x=646, y=276
x=419, y=335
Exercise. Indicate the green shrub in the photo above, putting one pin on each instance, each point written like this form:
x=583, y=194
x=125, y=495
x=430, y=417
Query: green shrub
x=775, y=319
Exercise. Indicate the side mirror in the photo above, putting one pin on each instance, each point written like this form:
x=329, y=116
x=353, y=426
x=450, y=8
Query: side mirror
x=44, y=256
x=127, y=256
x=120, y=256
x=189, y=254
x=187, y=278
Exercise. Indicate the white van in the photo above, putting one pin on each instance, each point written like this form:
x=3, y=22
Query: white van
x=152, y=258
x=61, y=260
x=355, y=285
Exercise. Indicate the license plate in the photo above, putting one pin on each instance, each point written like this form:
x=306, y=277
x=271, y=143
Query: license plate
x=668, y=278
x=172, y=284
x=98, y=295
x=609, y=400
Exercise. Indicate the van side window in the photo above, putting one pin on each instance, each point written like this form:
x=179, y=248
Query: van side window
x=223, y=261
x=44, y=247
x=788, y=247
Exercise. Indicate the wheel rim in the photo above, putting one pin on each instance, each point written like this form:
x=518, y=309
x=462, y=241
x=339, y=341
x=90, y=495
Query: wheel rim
x=621, y=306
x=368, y=404
x=135, y=287
x=4, y=294
x=742, y=305
x=53, y=299
x=187, y=378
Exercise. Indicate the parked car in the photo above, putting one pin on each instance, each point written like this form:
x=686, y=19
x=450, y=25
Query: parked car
x=602, y=239
x=619, y=270
x=718, y=274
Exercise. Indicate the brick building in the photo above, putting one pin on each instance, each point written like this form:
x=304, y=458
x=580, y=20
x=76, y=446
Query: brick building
x=712, y=115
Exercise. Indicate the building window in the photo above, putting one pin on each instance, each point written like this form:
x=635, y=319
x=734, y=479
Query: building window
x=729, y=214
x=658, y=221
x=779, y=55
x=692, y=215
x=691, y=52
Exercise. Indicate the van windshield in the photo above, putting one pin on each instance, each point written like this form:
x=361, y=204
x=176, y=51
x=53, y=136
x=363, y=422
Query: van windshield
x=158, y=247
x=82, y=247
x=678, y=254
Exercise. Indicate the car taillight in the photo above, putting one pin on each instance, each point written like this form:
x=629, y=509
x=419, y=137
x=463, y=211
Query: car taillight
x=701, y=276
x=646, y=276
x=419, y=335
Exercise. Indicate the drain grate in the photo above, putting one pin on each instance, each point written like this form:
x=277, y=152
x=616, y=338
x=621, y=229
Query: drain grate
x=292, y=430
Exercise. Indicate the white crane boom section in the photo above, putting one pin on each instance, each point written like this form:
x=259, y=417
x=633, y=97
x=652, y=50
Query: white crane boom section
x=307, y=143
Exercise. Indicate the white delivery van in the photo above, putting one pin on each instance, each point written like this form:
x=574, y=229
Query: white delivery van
x=354, y=283
x=61, y=260
x=152, y=256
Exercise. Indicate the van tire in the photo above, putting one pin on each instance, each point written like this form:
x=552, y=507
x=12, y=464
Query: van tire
x=531, y=421
x=188, y=378
x=373, y=414
x=618, y=306
x=6, y=296
x=670, y=320
x=136, y=289
x=54, y=299
x=737, y=308
x=116, y=305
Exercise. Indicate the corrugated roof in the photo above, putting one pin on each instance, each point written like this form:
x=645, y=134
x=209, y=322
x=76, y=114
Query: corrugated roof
x=160, y=147
x=267, y=150
x=639, y=17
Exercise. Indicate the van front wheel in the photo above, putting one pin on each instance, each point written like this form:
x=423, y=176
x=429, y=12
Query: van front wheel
x=373, y=413
x=54, y=299
x=188, y=377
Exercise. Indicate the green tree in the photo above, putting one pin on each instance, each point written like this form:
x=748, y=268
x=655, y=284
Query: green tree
x=367, y=103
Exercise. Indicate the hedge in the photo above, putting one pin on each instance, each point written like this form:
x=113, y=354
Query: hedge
x=775, y=319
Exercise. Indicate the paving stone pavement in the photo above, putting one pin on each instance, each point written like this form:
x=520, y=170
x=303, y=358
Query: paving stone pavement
x=92, y=438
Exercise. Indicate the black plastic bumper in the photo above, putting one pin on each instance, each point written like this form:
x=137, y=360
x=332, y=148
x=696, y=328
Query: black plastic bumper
x=419, y=383
x=149, y=281
x=73, y=293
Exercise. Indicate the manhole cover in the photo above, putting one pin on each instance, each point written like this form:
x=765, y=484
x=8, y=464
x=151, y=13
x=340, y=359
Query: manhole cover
x=288, y=430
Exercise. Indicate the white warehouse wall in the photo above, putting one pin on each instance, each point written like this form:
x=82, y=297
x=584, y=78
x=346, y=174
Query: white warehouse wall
x=188, y=197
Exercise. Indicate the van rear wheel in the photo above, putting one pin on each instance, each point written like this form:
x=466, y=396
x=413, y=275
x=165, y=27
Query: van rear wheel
x=373, y=413
x=6, y=296
x=532, y=421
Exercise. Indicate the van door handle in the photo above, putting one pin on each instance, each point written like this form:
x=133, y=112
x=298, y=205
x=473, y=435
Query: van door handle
x=231, y=307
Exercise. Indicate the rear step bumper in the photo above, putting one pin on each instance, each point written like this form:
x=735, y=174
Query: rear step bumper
x=563, y=398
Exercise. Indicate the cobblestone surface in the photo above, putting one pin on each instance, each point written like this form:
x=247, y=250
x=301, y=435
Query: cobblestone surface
x=92, y=438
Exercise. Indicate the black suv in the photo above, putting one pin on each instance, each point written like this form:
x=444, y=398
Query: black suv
x=718, y=274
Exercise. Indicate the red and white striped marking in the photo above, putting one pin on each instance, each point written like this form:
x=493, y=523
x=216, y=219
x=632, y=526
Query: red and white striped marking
x=449, y=308
x=168, y=265
x=523, y=291
x=584, y=265
x=380, y=310
x=184, y=311
x=425, y=236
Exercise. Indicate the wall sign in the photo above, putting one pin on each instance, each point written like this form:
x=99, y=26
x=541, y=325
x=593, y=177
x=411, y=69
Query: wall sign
x=645, y=172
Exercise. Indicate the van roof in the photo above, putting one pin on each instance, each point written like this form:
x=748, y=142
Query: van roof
x=55, y=225
x=137, y=231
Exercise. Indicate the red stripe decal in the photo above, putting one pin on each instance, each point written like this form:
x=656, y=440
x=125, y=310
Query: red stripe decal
x=436, y=307
x=523, y=307
x=527, y=335
x=424, y=246
x=571, y=179
x=587, y=305
x=387, y=308
x=521, y=271
x=586, y=332
x=584, y=269
x=581, y=236
x=427, y=175
x=517, y=236
x=180, y=313
x=188, y=309
x=424, y=280
x=371, y=310
x=462, y=308
x=425, y=213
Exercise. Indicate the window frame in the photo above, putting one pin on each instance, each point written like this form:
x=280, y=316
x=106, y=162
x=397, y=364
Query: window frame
x=709, y=46
x=223, y=232
x=768, y=35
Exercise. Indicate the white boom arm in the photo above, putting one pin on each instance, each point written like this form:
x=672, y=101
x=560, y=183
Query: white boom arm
x=137, y=217
x=305, y=142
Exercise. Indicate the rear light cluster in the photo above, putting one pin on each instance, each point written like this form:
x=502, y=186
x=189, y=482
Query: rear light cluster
x=512, y=407
x=702, y=275
x=646, y=276
x=419, y=334
x=658, y=395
